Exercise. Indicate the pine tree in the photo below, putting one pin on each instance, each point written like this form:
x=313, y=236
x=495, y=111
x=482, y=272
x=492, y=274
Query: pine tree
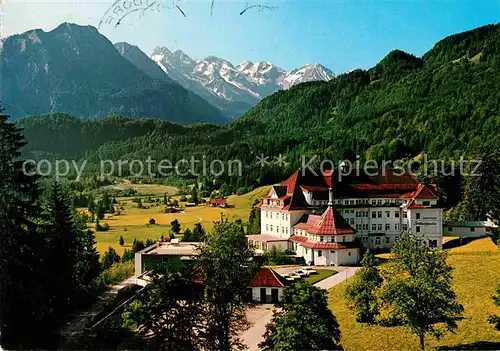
x=23, y=305
x=199, y=233
x=188, y=235
x=194, y=195
x=63, y=242
x=121, y=241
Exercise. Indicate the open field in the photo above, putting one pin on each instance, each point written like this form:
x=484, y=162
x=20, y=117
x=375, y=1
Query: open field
x=133, y=221
x=149, y=189
x=476, y=275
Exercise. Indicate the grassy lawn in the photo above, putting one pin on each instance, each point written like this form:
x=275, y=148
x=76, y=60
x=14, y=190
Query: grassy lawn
x=133, y=221
x=475, y=277
x=322, y=274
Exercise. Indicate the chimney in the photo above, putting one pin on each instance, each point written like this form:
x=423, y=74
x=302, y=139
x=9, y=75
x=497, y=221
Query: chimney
x=330, y=197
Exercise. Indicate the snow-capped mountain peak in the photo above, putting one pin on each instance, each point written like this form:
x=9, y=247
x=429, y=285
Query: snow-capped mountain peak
x=220, y=82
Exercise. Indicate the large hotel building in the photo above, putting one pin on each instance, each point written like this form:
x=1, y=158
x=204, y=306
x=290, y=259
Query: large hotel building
x=326, y=218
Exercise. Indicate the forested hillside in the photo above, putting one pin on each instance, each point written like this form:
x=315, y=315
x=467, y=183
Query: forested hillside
x=445, y=104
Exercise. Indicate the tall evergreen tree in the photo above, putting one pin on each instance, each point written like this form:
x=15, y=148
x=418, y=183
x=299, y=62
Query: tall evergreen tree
x=23, y=305
x=63, y=243
x=199, y=233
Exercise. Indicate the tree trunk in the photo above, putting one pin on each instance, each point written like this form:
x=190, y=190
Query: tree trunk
x=422, y=341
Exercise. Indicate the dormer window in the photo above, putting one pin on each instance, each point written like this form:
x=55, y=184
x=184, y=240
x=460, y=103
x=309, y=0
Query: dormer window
x=426, y=203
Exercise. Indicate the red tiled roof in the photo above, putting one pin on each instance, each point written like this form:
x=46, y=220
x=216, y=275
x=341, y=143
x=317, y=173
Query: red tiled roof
x=424, y=193
x=329, y=223
x=266, y=277
x=218, y=201
x=298, y=238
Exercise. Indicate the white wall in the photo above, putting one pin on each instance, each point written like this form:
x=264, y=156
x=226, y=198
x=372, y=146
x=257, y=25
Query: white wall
x=430, y=223
x=465, y=232
x=337, y=257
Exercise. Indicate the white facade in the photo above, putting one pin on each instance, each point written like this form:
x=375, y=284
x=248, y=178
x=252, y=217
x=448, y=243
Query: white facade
x=468, y=229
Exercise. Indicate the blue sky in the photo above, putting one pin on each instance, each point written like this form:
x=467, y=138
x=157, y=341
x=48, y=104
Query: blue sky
x=341, y=35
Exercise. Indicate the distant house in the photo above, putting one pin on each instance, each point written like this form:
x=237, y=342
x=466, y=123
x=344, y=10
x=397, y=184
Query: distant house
x=468, y=229
x=266, y=286
x=218, y=202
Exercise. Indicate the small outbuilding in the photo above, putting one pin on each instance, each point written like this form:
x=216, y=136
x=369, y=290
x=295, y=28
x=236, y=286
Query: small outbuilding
x=221, y=202
x=266, y=286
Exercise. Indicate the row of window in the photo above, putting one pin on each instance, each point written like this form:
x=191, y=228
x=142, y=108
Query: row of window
x=284, y=216
x=378, y=202
x=375, y=214
x=284, y=230
x=378, y=240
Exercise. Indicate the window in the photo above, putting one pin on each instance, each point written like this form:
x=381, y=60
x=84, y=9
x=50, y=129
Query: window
x=379, y=227
x=433, y=243
x=417, y=229
x=358, y=226
x=472, y=229
x=351, y=220
x=351, y=202
x=379, y=214
x=286, y=230
x=271, y=227
x=405, y=215
x=321, y=238
x=387, y=240
x=365, y=214
x=283, y=217
x=374, y=227
x=332, y=238
x=358, y=214
x=377, y=240
x=349, y=254
x=417, y=215
x=277, y=229
x=320, y=253
x=374, y=214
x=426, y=203
x=396, y=214
x=267, y=227
x=332, y=251
x=343, y=239
x=365, y=226
x=405, y=227
x=267, y=214
x=387, y=214
x=396, y=227
x=450, y=229
x=379, y=202
x=387, y=226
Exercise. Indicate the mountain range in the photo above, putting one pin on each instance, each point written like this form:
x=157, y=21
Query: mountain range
x=444, y=104
x=76, y=70
x=233, y=88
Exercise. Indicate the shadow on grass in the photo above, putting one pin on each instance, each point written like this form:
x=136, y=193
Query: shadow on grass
x=480, y=345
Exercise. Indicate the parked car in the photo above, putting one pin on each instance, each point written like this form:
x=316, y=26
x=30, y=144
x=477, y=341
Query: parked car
x=301, y=273
x=310, y=270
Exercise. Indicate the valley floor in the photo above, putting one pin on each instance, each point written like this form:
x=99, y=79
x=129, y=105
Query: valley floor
x=133, y=222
